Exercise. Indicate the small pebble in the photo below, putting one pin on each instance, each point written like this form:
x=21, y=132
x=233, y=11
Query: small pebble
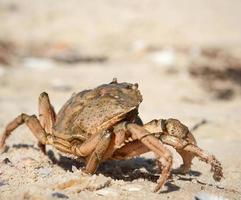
x=106, y=192
x=74, y=169
x=133, y=188
x=44, y=171
x=27, y=162
x=6, y=161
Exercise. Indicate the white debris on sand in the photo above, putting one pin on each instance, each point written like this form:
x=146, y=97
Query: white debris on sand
x=132, y=187
x=165, y=57
x=207, y=196
x=107, y=192
x=2, y=71
x=41, y=64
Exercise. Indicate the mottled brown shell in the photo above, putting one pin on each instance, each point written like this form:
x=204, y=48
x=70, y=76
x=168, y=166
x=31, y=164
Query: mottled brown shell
x=92, y=111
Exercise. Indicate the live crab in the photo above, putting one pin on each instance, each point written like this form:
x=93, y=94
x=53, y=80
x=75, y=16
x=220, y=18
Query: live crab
x=103, y=123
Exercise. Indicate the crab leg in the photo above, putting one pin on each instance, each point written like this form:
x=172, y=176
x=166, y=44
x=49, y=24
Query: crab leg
x=130, y=150
x=33, y=124
x=40, y=128
x=164, y=155
x=117, y=140
x=86, y=148
x=181, y=144
x=155, y=126
x=62, y=145
x=47, y=116
x=186, y=147
x=187, y=158
x=97, y=155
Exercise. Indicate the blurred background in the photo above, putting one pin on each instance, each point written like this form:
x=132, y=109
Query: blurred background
x=185, y=56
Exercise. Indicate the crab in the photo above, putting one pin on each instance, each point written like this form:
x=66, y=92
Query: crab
x=103, y=123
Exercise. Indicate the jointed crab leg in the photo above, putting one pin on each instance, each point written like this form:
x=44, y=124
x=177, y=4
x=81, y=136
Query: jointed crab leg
x=33, y=124
x=47, y=116
x=185, y=146
x=130, y=150
x=97, y=155
x=164, y=155
x=35, y=127
x=117, y=140
x=137, y=148
x=40, y=128
x=181, y=144
x=86, y=148
x=170, y=127
x=187, y=158
x=177, y=135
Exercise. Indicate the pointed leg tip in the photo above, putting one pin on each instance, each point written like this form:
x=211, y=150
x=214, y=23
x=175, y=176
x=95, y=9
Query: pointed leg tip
x=2, y=146
x=159, y=185
x=3, y=149
x=156, y=189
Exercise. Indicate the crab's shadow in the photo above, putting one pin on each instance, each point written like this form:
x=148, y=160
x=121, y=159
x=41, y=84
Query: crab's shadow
x=127, y=170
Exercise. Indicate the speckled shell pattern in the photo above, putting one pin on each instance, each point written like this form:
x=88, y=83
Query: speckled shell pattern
x=92, y=111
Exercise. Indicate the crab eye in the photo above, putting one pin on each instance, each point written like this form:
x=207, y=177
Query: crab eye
x=163, y=125
x=114, y=81
x=129, y=86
